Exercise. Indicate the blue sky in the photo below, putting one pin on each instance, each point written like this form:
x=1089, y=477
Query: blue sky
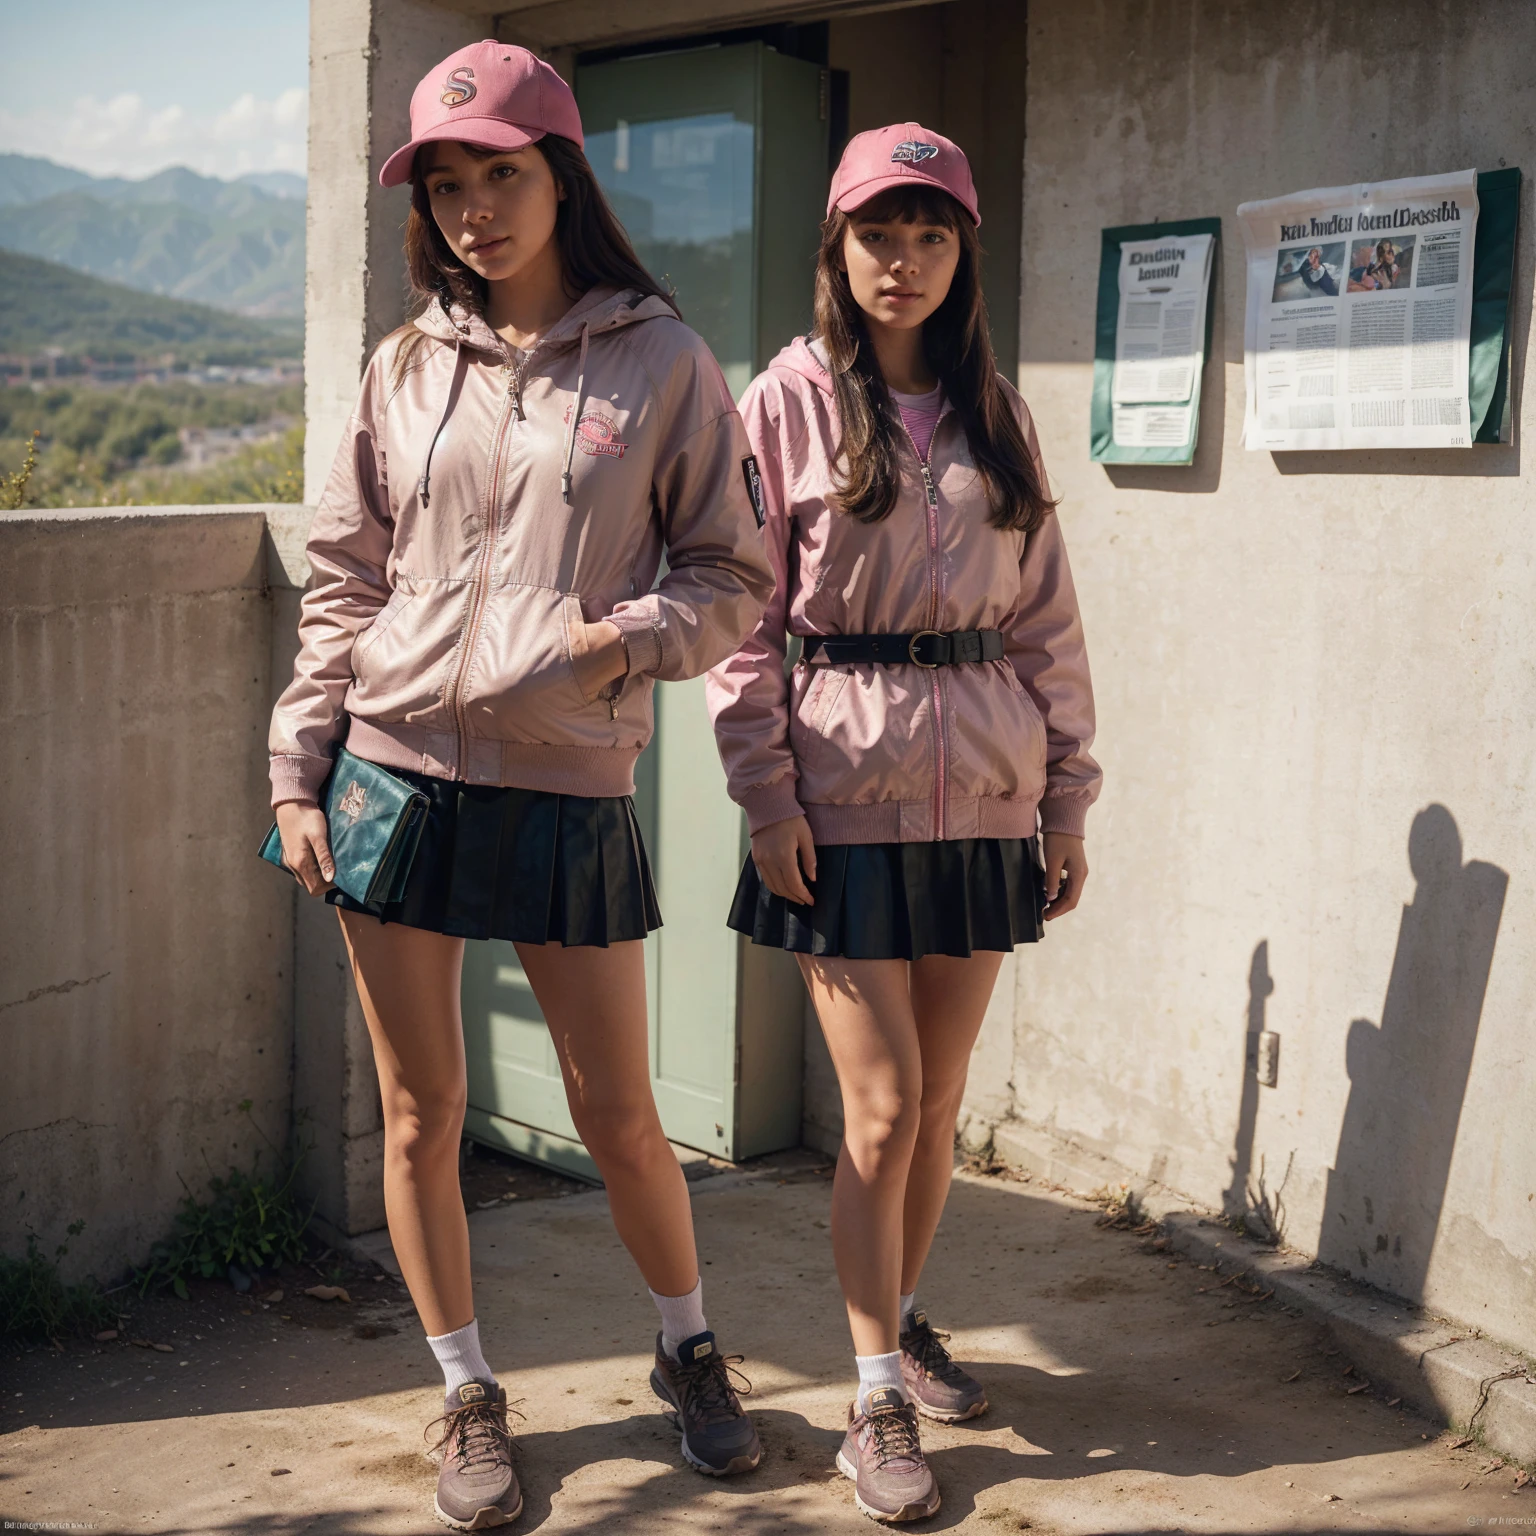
x=128, y=87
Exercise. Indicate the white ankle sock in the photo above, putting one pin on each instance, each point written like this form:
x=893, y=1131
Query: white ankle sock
x=876, y=1371
x=460, y=1357
x=907, y=1308
x=681, y=1317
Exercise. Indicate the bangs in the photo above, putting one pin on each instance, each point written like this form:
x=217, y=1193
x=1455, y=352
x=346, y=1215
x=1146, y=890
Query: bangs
x=917, y=204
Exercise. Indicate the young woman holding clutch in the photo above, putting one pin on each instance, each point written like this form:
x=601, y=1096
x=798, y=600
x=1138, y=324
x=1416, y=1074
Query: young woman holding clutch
x=481, y=623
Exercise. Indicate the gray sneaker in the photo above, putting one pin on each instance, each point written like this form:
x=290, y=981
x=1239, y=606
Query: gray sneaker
x=934, y=1382
x=476, y=1488
x=718, y=1436
x=882, y=1454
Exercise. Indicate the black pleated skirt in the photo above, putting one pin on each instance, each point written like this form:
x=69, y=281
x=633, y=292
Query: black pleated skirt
x=901, y=901
x=523, y=864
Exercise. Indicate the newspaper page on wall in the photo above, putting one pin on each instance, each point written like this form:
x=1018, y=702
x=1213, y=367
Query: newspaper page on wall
x=1358, y=314
x=1159, y=340
x=1152, y=332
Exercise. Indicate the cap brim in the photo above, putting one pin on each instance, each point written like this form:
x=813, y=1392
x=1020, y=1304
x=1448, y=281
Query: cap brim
x=487, y=132
x=856, y=197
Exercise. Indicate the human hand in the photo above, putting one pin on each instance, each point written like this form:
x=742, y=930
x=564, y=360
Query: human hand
x=1066, y=871
x=306, y=845
x=781, y=852
x=597, y=656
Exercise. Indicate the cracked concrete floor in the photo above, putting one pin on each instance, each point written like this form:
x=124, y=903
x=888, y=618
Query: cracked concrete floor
x=1124, y=1398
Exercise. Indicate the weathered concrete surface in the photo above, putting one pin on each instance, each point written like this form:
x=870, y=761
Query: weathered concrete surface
x=365, y=57
x=145, y=957
x=1316, y=677
x=1444, y=1370
x=1119, y=1404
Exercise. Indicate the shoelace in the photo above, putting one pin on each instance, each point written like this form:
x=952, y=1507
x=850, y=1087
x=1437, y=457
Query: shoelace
x=895, y=1434
x=706, y=1387
x=478, y=1431
x=926, y=1344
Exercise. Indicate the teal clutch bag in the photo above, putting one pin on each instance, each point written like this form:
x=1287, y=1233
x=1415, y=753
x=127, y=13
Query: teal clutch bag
x=375, y=822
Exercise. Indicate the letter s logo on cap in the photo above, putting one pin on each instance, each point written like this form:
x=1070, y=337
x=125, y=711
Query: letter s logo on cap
x=459, y=86
x=911, y=149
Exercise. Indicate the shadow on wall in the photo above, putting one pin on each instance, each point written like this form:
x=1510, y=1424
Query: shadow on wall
x=1408, y=1076
x=1248, y=1198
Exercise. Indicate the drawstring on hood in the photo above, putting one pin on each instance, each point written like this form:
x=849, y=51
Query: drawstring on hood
x=600, y=310
x=575, y=421
x=424, y=485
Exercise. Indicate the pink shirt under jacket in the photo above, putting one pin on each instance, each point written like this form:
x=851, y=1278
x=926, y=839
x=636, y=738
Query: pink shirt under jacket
x=902, y=754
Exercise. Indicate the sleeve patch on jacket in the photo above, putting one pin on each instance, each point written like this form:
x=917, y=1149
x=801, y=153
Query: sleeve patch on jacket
x=754, y=479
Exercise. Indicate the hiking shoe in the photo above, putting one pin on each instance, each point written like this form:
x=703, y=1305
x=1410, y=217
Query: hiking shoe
x=718, y=1437
x=476, y=1488
x=882, y=1454
x=934, y=1382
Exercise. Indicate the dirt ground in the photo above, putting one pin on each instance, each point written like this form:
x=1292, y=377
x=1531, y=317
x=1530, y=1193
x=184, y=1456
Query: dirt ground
x=1131, y=1392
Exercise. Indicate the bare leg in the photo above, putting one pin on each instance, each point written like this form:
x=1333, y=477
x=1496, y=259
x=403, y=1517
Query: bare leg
x=949, y=1001
x=865, y=1009
x=408, y=980
x=594, y=1002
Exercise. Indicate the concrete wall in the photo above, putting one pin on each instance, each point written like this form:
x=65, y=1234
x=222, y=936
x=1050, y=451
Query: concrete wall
x=1316, y=677
x=146, y=974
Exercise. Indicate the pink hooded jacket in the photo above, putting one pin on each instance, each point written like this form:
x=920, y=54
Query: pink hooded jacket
x=478, y=512
x=881, y=754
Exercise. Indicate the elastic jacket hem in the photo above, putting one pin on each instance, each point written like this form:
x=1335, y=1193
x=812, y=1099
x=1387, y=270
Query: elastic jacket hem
x=912, y=821
x=593, y=772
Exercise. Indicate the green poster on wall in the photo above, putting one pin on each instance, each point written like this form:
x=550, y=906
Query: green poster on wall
x=1155, y=305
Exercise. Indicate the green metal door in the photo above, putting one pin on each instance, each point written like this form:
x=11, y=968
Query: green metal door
x=715, y=159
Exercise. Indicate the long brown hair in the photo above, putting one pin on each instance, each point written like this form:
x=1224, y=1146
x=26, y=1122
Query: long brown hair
x=959, y=350
x=593, y=245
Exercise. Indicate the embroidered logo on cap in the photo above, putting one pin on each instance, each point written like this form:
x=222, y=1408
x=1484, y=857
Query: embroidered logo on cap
x=754, y=479
x=915, y=151
x=353, y=801
x=459, y=87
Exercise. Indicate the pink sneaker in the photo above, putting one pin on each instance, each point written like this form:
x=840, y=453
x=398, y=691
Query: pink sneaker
x=882, y=1454
x=934, y=1382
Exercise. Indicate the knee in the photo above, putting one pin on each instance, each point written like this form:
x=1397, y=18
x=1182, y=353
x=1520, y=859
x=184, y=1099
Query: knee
x=880, y=1130
x=622, y=1141
x=940, y=1110
x=423, y=1125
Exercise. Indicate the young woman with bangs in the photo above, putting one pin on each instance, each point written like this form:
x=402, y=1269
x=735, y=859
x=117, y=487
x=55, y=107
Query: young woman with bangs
x=916, y=784
x=482, y=624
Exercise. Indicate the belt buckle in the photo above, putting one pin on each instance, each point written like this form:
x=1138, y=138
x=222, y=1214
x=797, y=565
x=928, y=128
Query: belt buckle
x=922, y=634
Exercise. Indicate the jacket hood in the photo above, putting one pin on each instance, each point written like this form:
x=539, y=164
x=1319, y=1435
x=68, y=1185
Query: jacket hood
x=807, y=356
x=600, y=309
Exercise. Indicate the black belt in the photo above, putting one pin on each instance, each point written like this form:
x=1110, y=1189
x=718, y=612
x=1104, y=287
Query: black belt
x=927, y=648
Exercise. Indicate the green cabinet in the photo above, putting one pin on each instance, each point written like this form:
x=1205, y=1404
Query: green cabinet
x=716, y=161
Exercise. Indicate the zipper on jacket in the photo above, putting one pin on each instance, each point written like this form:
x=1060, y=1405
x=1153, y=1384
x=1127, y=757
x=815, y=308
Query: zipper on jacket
x=941, y=754
x=511, y=408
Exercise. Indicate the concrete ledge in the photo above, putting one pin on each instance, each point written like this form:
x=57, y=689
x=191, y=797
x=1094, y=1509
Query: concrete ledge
x=1443, y=1370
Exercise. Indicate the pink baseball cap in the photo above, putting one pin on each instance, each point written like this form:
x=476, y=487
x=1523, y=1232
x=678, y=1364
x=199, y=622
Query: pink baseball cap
x=490, y=94
x=897, y=156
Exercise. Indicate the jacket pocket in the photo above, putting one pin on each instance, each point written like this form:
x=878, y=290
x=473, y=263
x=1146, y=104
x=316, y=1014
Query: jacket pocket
x=996, y=734
x=386, y=616
x=521, y=685
x=808, y=720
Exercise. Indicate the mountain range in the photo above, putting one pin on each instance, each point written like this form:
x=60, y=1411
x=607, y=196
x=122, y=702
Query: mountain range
x=44, y=306
x=236, y=245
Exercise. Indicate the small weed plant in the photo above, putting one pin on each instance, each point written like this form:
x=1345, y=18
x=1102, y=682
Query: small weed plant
x=35, y=1302
x=13, y=487
x=251, y=1220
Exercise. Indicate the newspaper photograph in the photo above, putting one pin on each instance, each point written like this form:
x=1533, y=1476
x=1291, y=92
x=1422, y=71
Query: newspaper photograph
x=1159, y=340
x=1358, y=315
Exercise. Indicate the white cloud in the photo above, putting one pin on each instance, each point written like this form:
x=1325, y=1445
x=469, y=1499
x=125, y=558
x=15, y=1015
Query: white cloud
x=125, y=137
